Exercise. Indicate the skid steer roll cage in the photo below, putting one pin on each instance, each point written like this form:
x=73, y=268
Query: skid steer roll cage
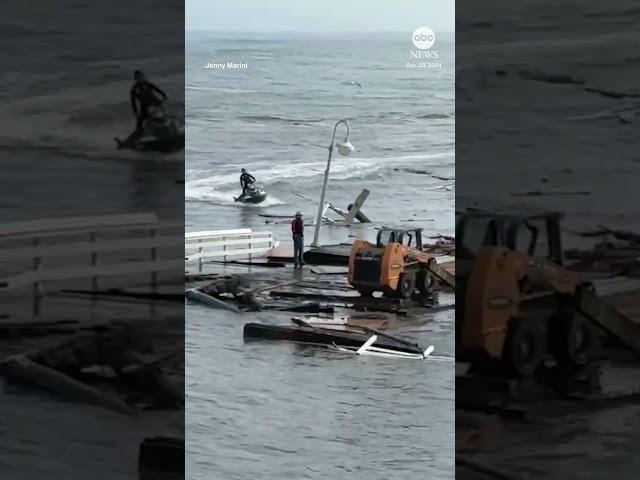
x=505, y=230
x=399, y=235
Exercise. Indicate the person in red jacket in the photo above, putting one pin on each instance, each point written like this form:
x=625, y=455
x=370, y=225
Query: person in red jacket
x=297, y=230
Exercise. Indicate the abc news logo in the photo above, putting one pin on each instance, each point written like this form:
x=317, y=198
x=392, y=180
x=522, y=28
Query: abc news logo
x=424, y=38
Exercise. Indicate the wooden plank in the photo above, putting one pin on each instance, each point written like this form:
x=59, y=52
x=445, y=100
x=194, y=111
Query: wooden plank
x=281, y=252
x=445, y=259
x=59, y=225
x=119, y=230
x=226, y=253
x=66, y=273
x=33, y=372
x=222, y=243
x=198, y=296
x=627, y=303
x=339, y=211
x=443, y=273
x=341, y=249
x=357, y=205
x=329, y=270
x=449, y=267
x=79, y=248
x=217, y=233
x=324, y=210
x=612, y=319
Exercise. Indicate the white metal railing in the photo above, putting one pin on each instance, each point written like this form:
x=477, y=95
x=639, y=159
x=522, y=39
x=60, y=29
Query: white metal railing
x=78, y=245
x=200, y=246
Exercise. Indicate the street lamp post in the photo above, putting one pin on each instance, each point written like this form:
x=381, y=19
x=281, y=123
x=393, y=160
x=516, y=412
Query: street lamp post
x=344, y=149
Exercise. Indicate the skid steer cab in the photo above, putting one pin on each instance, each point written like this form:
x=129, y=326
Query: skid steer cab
x=516, y=303
x=395, y=265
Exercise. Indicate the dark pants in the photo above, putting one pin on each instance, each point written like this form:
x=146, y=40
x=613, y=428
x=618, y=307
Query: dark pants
x=244, y=189
x=144, y=113
x=244, y=192
x=298, y=249
x=139, y=131
x=142, y=117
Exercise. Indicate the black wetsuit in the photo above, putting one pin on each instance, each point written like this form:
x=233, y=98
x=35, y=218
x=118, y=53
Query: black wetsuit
x=145, y=93
x=245, y=181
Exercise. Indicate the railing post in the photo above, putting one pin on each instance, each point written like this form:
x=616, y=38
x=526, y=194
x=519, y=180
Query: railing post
x=250, y=245
x=94, y=262
x=38, y=292
x=200, y=261
x=154, y=257
x=224, y=247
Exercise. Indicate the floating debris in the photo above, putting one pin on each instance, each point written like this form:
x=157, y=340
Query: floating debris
x=96, y=367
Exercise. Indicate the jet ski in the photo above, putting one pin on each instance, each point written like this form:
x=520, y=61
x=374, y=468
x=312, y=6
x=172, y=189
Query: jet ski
x=252, y=194
x=152, y=144
x=161, y=133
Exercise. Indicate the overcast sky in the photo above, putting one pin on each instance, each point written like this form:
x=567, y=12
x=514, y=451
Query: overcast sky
x=319, y=15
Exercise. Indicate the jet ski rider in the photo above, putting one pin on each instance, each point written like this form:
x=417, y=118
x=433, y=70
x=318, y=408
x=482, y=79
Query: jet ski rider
x=146, y=94
x=246, y=179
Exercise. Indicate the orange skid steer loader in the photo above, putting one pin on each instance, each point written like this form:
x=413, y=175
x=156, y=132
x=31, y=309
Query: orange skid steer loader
x=518, y=305
x=394, y=265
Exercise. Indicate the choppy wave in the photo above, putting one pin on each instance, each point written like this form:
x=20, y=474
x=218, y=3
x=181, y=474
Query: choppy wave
x=436, y=115
x=622, y=115
x=394, y=116
x=225, y=196
x=276, y=118
x=355, y=168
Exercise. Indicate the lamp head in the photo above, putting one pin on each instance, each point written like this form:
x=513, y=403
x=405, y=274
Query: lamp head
x=345, y=147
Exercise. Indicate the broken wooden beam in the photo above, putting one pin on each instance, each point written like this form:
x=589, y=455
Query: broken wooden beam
x=19, y=329
x=604, y=312
x=339, y=211
x=198, y=296
x=360, y=216
x=21, y=368
x=441, y=271
x=354, y=209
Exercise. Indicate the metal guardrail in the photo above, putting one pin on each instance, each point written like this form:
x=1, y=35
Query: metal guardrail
x=78, y=245
x=200, y=246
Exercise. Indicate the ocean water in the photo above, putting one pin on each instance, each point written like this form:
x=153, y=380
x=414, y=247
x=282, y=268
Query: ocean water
x=276, y=118
x=61, y=109
x=276, y=411
x=574, y=137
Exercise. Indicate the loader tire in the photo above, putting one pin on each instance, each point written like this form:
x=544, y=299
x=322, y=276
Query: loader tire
x=572, y=340
x=524, y=347
x=406, y=285
x=425, y=282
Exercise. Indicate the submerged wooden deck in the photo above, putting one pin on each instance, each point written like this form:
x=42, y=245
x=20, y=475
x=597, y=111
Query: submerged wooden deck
x=308, y=290
x=338, y=255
